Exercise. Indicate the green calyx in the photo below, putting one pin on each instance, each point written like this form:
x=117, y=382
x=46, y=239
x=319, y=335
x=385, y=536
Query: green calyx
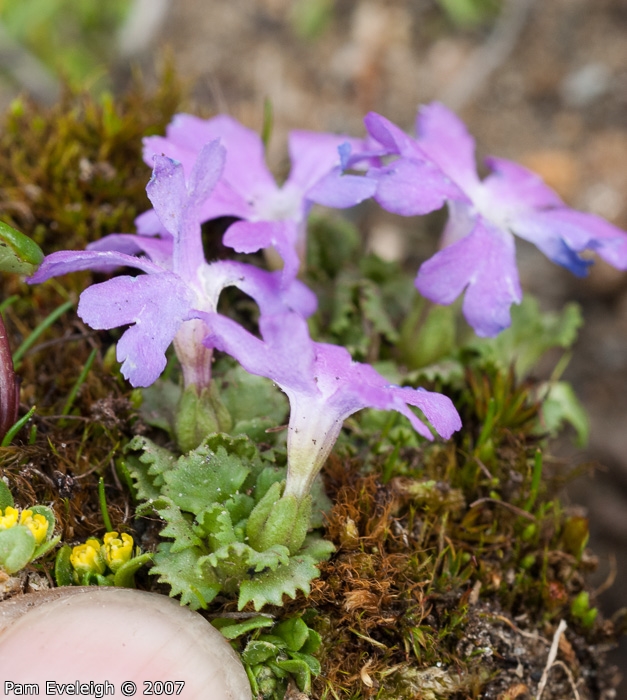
x=279, y=519
x=227, y=529
x=198, y=414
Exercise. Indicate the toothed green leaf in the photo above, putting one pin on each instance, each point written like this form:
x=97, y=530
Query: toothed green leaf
x=178, y=569
x=241, y=560
x=207, y=499
x=317, y=547
x=266, y=479
x=145, y=490
x=179, y=527
x=269, y=587
x=217, y=526
x=147, y=469
x=211, y=473
x=255, y=403
x=239, y=507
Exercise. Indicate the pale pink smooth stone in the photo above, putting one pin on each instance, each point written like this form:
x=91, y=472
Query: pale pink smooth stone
x=116, y=635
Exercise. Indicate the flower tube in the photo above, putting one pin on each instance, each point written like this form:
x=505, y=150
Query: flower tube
x=324, y=386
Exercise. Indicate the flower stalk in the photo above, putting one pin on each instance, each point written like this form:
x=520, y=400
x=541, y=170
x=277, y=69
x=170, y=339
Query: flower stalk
x=9, y=385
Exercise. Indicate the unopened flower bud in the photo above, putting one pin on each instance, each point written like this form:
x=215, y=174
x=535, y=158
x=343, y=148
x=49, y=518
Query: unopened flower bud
x=9, y=518
x=117, y=550
x=86, y=558
x=37, y=524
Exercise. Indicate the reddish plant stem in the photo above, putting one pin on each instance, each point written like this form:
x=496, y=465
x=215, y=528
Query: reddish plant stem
x=9, y=385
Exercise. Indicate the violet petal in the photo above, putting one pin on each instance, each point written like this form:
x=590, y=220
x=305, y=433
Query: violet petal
x=444, y=139
x=385, y=132
x=168, y=193
x=341, y=191
x=251, y=236
x=582, y=230
x=484, y=262
x=64, y=261
x=156, y=304
x=314, y=155
x=157, y=249
x=517, y=188
x=538, y=229
x=411, y=187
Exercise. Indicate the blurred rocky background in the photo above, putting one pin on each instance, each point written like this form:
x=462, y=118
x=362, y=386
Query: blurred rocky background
x=543, y=83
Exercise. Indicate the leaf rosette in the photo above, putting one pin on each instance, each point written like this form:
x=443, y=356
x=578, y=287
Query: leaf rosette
x=227, y=528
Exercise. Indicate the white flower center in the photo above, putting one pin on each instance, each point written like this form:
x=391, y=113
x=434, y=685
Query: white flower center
x=281, y=204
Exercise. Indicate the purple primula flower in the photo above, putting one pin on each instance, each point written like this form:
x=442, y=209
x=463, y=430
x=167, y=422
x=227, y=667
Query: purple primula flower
x=324, y=386
x=271, y=215
x=478, y=252
x=163, y=305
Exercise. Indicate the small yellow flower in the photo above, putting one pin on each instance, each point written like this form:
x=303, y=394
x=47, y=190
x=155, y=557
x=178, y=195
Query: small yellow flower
x=86, y=557
x=9, y=519
x=117, y=550
x=37, y=524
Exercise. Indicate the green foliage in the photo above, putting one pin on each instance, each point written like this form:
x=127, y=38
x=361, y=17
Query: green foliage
x=254, y=403
x=580, y=609
x=561, y=406
x=428, y=334
x=470, y=13
x=372, y=309
x=360, y=306
x=273, y=656
x=332, y=245
x=198, y=414
x=25, y=535
x=530, y=336
x=311, y=17
x=242, y=404
x=231, y=531
x=18, y=253
x=72, y=39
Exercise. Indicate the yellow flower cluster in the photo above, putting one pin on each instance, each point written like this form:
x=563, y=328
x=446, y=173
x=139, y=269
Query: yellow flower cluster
x=117, y=550
x=95, y=557
x=37, y=523
x=86, y=557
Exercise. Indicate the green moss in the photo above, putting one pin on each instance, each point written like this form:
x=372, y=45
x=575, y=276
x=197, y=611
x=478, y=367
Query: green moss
x=73, y=173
